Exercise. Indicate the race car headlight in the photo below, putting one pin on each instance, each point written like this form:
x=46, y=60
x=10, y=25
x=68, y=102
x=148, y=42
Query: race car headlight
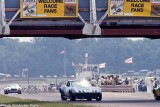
x=100, y=91
x=76, y=90
x=97, y=91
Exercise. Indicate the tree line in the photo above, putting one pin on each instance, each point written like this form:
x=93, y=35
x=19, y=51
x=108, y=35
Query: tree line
x=47, y=56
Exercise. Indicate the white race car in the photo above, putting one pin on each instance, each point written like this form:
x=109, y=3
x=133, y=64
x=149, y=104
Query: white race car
x=13, y=88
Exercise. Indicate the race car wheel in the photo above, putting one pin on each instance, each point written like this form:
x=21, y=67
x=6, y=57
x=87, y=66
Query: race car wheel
x=62, y=97
x=89, y=99
x=5, y=92
x=72, y=98
x=99, y=98
x=19, y=92
x=156, y=97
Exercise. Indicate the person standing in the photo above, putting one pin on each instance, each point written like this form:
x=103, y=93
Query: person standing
x=155, y=83
x=149, y=84
x=126, y=82
x=99, y=82
x=93, y=82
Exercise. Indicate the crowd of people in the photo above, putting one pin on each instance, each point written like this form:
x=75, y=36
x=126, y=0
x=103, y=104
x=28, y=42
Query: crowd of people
x=110, y=80
x=146, y=84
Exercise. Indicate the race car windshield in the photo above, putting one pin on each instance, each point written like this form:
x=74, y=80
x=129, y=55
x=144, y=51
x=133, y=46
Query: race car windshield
x=82, y=83
x=13, y=85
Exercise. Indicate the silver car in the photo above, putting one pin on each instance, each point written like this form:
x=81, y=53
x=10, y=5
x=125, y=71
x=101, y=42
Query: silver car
x=80, y=89
x=13, y=88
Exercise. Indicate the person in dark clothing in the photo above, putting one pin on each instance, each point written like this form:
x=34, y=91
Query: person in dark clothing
x=126, y=82
x=155, y=83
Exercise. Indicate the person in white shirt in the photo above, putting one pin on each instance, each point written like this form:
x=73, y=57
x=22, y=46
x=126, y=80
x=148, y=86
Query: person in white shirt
x=93, y=82
x=149, y=83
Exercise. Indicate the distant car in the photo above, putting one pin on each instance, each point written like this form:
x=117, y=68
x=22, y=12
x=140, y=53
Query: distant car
x=52, y=86
x=156, y=93
x=55, y=76
x=142, y=86
x=80, y=89
x=72, y=76
x=13, y=88
x=41, y=76
x=48, y=76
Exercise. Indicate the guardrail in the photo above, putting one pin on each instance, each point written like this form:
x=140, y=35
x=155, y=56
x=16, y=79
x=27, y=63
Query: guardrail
x=118, y=88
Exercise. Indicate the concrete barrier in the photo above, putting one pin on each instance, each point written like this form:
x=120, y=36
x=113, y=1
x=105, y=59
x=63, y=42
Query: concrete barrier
x=118, y=88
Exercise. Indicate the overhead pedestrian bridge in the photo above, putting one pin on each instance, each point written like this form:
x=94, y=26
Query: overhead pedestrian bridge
x=79, y=18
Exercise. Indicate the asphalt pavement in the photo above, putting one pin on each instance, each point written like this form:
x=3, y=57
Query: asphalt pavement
x=138, y=99
x=109, y=99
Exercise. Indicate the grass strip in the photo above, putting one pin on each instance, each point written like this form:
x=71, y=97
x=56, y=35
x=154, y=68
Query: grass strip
x=17, y=102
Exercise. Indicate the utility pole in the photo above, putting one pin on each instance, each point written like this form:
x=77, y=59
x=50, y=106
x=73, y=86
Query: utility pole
x=27, y=75
x=86, y=58
x=65, y=61
x=5, y=70
x=24, y=73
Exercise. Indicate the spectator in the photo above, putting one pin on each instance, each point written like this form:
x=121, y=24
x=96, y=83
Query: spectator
x=93, y=82
x=155, y=83
x=102, y=80
x=113, y=83
x=105, y=81
x=151, y=85
x=99, y=82
x=116, y=80
x=136, y=84
x=126, y=82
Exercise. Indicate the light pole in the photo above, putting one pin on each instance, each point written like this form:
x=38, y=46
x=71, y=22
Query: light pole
x=5, y=71
x=28, y=75
x=25, y=70
x=64, y=63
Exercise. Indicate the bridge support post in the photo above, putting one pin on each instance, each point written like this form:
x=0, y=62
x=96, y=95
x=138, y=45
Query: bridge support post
x=2, y=16
x=4, y=28
x=92, y=28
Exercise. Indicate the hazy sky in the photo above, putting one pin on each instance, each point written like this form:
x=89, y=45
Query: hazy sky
x=23, y=39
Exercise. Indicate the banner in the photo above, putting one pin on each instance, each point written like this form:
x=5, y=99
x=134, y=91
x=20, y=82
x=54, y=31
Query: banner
x=48, y=8
x=134, y=8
